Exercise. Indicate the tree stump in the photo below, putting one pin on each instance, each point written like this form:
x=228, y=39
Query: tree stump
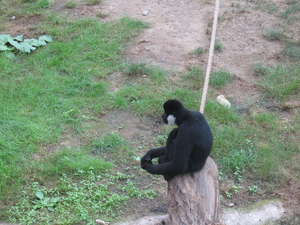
x=194, y=197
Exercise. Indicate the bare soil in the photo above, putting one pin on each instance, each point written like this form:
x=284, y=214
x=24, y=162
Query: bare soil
x=175, y=29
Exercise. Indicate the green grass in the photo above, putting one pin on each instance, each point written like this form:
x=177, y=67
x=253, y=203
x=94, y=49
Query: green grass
x=292, y=49
x=75, y=202
x=48, y=91
x=138, y=69
x=259, y=69
x=194, y=78
x=93, y=2
x=273, y=34
x=70, y=4
x=280, y=82
x=291, y=14
x=70, y=161
x=198, y=51
x=111, y=142
x=270, y=7
x=218, y=45
x=218, y=79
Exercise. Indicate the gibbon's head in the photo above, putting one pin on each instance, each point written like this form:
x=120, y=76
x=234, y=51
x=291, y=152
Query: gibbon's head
x=172, y=108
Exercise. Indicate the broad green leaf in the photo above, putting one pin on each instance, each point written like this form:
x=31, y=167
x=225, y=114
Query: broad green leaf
x=4, y=38
x=24, y=46
x=46, y=38
x=51, y=209
x=39, y=195
x=15, y=44
x=19, y=38
x=55, y=199
x=41, y=42
x=10, y=55
x=34, y=42
x=46, y=201
x=3, y=46
x=27, y=47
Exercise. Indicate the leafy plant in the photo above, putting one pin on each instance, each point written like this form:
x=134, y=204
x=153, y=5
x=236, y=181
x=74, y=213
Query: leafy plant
x=9, y=44
x=253, y=190
x=161, y=140
x=238, y=160
x=228, y=194
x=235, y=189
x=238, y=173
x=45, y=202
x=76, y=202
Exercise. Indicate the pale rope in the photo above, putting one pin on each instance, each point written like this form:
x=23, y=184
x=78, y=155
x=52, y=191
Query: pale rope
x=210, y=57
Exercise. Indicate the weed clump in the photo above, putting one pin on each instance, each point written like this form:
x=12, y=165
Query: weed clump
x=198, y=51
x=218, y=45
x=292, y=49
x=273, y=34
x=138, y=69
x=220, y=78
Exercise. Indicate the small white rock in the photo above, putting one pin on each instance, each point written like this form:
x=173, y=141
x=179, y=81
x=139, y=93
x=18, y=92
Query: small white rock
x=13, y=17
x=145, y=13
x=231, y=204
x=223, y=101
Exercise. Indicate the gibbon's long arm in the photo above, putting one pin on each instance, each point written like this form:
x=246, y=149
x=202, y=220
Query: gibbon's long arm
x=177, y=158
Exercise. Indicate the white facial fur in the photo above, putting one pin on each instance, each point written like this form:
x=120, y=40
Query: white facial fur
x=171, y=120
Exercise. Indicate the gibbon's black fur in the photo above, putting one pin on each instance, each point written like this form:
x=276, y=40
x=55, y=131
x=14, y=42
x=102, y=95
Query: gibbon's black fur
x=187, y=147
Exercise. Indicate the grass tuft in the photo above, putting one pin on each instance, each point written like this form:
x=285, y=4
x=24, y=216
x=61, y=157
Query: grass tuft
x=111, y=142
x=292, y=49
x=198, y=51
x=273, y=34
x=218, y=45
x=70, y=5
x=93, y=2
x=220, y=78
x=281, y=82
x=70, y=161
x=259, y=69
x=138, y=69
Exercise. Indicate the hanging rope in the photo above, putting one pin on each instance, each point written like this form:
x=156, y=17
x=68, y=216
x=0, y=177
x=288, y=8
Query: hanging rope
x=210, y=57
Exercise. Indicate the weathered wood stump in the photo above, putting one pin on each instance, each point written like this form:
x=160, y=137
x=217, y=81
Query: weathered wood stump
x=194, y=197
